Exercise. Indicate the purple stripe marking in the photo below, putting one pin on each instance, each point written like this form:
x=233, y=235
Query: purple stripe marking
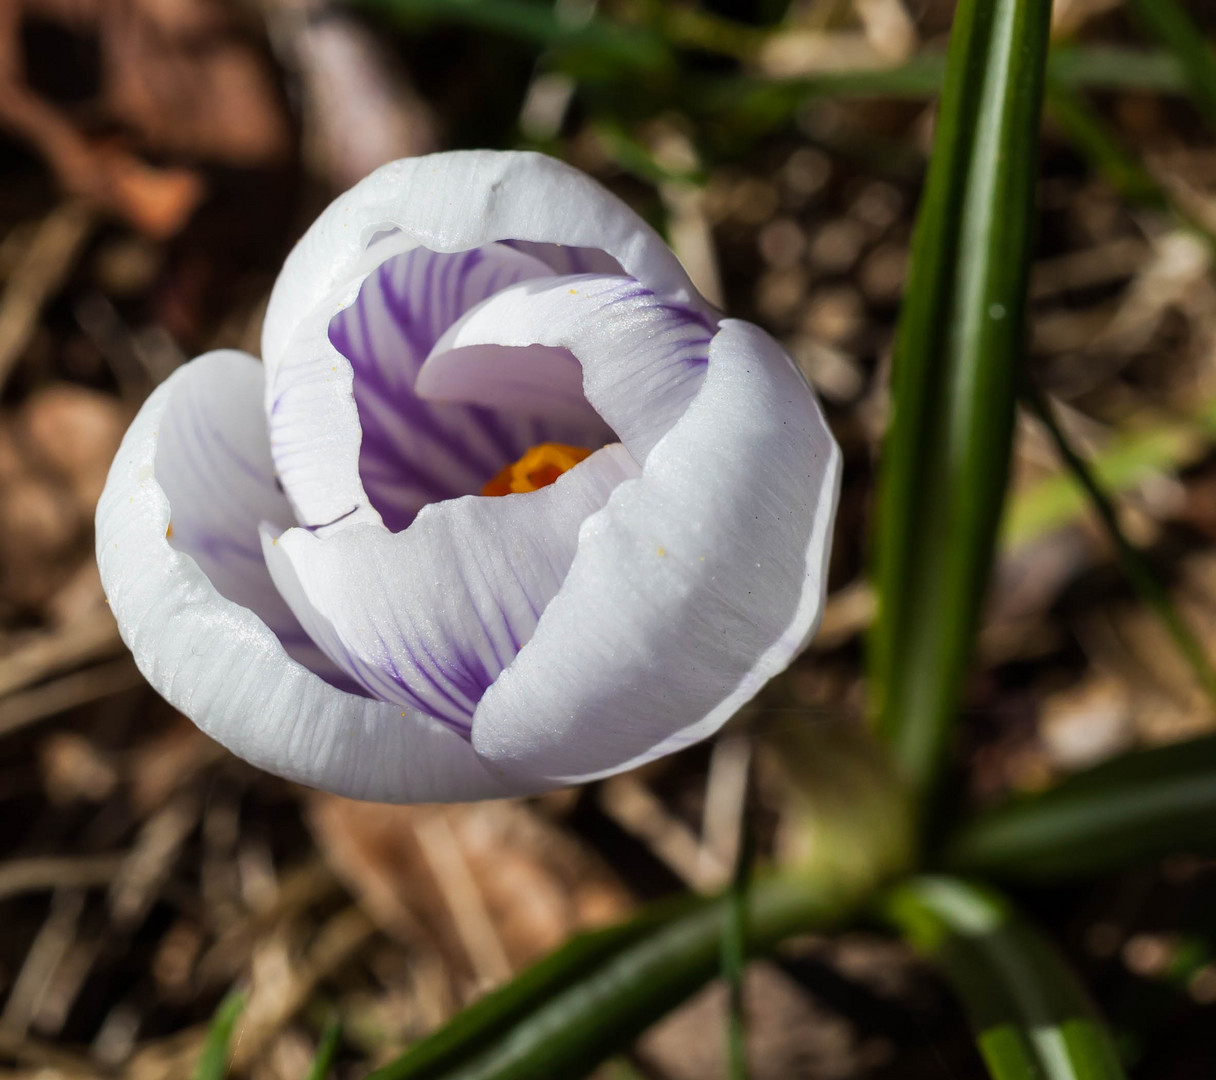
x=435, y=290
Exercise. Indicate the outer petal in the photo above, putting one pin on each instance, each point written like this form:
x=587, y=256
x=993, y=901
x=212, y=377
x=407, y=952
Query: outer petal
x=213, y=462
x=215, y=659
x=643, y=358
x=695, y=585
x=458, y=201
x=429, y=617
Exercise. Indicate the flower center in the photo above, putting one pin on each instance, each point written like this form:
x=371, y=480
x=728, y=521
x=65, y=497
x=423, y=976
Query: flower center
x=538, y=468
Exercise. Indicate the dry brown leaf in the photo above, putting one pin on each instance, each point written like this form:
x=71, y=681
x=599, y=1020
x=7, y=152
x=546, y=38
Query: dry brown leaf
x=179, y=75
x=73, y=433
x=529, y=881
x=158, y=767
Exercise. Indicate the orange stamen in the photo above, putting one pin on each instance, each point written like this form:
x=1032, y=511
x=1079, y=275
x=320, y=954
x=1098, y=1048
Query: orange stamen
x=538, y=468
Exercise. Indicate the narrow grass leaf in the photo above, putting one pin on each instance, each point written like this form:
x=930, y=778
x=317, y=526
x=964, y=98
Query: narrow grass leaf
x=1031, y=1017
x=1169, y=22
x=1130, y=458
x=1127, y=811
x=598, y=46
x=1089, y=133
x=763, y=103
x=327, y=1051
x=958, y=349
x=213, y=1061
x=1112, y=67
x=592, y=997
x=1135, y=568
x=734, y=949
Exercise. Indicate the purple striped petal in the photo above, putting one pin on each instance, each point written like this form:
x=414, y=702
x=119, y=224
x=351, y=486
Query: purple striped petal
x=209, y=654
x=430, y=617
x=643, y=358
x=414, y=451
x=393, y=453
x=460, y=201
x=213, y=462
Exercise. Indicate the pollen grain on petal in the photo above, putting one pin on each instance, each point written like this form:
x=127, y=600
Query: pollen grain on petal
x=539, y=467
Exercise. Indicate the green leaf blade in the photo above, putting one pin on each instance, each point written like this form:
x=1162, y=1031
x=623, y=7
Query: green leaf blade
x=213, y=1061
x=327, y=1051
x=1126, y=811
x=1031, y=1017
x=1169, y=22
x=958, y=349
x=596, y=994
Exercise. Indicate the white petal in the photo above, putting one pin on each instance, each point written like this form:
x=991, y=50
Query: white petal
x=213, y=463
x=643, y=358
x=214, y=658
x=351, y=439
x=563, y=259
x=429, y=617
x=695, y=585
x=458, y=201
x=515, y=379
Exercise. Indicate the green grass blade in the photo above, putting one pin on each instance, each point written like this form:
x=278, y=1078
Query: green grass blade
x=1169, y=22
x=763, y=103
x=213, y=1061
x=1130, y=458
x=1089, y=134
x=1031, y=1017
x=1137, y=571
x=958, y=350
x=327, y=1051
x=596, y=994
x=734, y=951
x=1110, y=67
x=600, y=45
x=1129, y=810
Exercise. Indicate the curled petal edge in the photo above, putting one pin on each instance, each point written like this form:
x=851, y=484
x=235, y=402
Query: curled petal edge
x=223, y=667
x=696, y=583
x=461, y=200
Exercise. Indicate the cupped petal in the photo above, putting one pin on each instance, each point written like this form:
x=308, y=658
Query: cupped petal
x=643, y=357
x=351, y=439
x=514, y=379
x=213, y=463
x=429, y=617
x=695, y=584
x=459, y=201
x=212, y=656
x=564, y=259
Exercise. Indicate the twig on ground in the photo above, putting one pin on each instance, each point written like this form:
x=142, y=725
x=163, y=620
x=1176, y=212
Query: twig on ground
x=38, y=275
x=69, y=692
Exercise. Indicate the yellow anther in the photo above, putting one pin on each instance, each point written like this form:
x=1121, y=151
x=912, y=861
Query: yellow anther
x=538, y=468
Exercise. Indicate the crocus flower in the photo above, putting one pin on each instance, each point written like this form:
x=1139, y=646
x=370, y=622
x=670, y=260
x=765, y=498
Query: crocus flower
x=506, y=505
